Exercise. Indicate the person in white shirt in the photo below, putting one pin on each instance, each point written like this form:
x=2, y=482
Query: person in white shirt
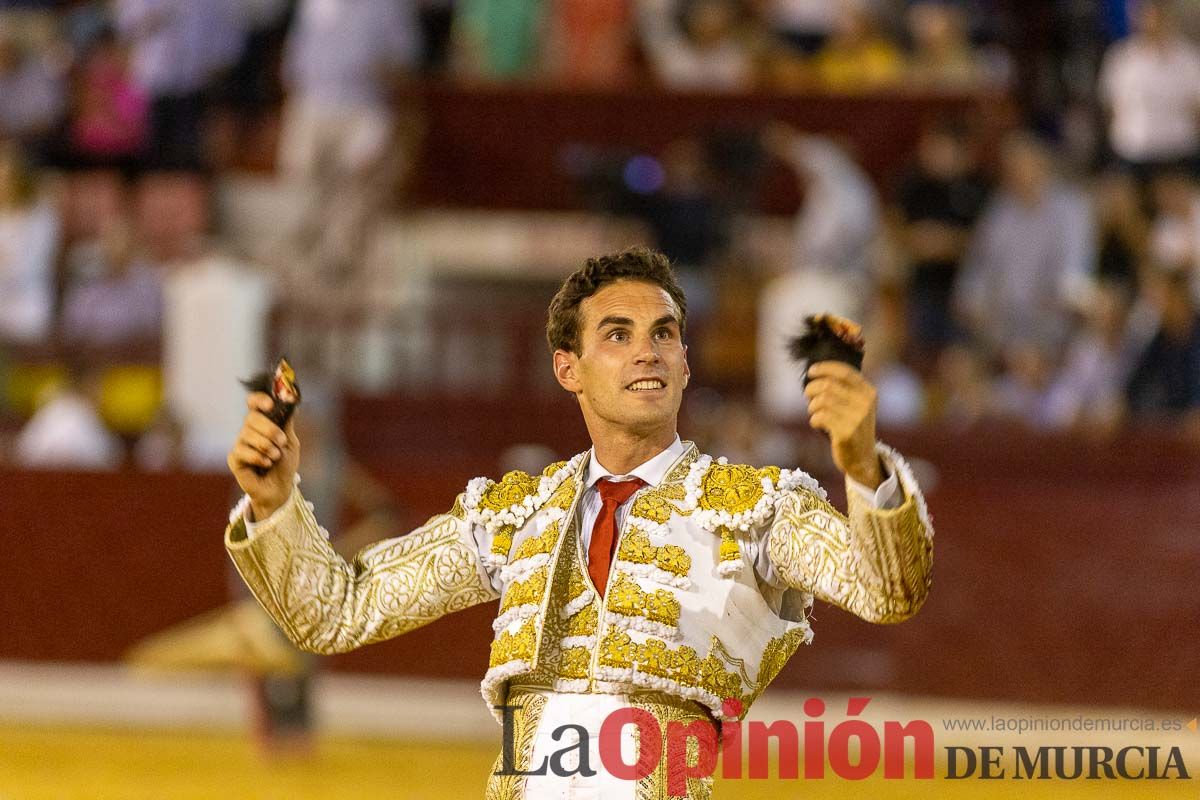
x=29, y=242
x=67, y=432
x=1150, y=84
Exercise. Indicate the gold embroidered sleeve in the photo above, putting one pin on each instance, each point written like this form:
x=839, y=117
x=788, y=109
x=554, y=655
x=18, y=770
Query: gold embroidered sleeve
x=326, y=605
x=874, y=563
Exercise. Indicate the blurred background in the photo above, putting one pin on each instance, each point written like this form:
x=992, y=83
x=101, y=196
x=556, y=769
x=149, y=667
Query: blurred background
x=390, y=191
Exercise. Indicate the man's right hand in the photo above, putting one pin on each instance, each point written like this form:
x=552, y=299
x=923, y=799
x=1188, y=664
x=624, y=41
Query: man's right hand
x=262, y=444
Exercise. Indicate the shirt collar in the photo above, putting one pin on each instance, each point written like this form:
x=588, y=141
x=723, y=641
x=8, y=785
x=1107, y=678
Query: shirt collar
x=651, y=471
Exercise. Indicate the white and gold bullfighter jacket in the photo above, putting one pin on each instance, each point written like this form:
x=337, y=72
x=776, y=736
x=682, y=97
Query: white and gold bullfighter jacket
x=687, y=621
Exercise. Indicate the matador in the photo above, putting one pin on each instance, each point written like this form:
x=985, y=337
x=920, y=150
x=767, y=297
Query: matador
x=639, y=574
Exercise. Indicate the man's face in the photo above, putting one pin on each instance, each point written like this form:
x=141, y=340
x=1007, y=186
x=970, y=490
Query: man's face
x=633, y=365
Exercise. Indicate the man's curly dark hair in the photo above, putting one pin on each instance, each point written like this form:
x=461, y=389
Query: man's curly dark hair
x=636, y=263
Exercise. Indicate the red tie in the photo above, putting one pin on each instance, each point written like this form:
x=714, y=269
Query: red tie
x=604, y=529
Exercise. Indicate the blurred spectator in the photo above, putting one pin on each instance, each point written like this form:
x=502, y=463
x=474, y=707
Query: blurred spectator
x=688, y=219
x=1030, y=256
x=1150, y=83
x=1123, y=231
x=339, y=129
x=739, y=432
x=85, y=22
x=109, y=123
x=178, y=47
x=942, y=56
x=858, y=57
x=29, y=240
x=1086, y=394
x=498, y=39
x=838, y=222
x=832, y=258
x=1022, y=392
x=161, y=447
x=66, y=432
x=939, y=202
x=122, y=304
x=802, y=25
x=250, y=82
x=437, y=23
x=959, y=392
x=590, y=43
x=1175, y=231
x=214, y=334
x=32, y=91
x=709, y=52
x=900, y=393
x=248, y=88
x=1165, y=381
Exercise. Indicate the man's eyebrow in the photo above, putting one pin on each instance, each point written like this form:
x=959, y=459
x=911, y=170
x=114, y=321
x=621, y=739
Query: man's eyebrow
x=613, y=320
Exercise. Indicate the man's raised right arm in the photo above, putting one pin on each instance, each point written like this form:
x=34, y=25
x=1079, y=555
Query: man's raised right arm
x=323, y=603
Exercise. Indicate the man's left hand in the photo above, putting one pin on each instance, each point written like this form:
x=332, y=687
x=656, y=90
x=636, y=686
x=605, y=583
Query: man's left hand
x=842, y=403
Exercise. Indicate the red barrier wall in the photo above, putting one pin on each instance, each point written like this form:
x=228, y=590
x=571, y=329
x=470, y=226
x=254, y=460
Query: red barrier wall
x=1064, y=572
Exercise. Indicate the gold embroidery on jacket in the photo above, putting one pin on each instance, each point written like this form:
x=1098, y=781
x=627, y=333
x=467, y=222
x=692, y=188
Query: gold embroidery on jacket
x=637, y=549
x=629, y=599
x=667, y=709
x=879, y=570
x=526, y=716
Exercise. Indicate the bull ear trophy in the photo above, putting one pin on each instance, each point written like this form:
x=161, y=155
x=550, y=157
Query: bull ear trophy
x=827, y=337
x=283, y=388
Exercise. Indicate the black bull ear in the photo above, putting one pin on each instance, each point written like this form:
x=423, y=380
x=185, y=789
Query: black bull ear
x=826, y=338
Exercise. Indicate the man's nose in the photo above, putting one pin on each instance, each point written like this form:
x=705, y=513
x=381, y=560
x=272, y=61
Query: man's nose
x=648, y=351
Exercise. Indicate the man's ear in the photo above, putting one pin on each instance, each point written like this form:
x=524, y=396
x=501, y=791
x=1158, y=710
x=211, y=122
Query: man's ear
x=687, y=371
x=565, y=366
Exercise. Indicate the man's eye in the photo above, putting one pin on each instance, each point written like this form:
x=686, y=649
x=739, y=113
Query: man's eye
x=663, y=333
x=618, y=336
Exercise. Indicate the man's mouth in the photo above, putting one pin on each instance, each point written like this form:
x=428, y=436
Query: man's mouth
x=647, y=385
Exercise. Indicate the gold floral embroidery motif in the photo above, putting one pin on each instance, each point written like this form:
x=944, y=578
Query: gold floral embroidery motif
x=563, y=496
x=510, y=490
x=576, y=584
x=499, y=496
x=679, y=664
x=657, y=504
x=502, y=541
x=626, y=597
x=518, y=646
x=771, y=473
x=575, y=662
x=527, y=592
x=617, y=649
x=583, y=623
x=656, y=658
x=729, y=546
x=637, y=549
x=536, y=545
x=732, y=488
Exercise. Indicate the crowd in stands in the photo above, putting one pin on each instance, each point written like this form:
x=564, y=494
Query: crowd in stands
x=1009, y=285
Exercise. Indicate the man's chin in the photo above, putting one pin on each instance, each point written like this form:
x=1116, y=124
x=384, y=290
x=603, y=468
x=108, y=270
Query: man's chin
x=650, y=417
